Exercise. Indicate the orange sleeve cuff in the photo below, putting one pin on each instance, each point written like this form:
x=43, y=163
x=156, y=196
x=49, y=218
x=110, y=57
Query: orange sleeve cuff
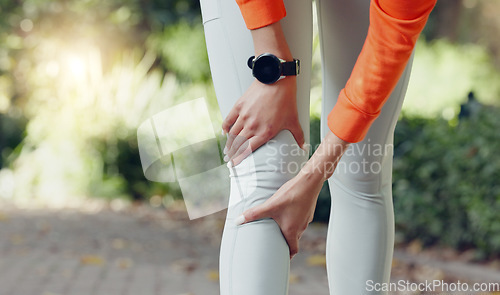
x=391, y=38
x=260, y=13
x=348, y=122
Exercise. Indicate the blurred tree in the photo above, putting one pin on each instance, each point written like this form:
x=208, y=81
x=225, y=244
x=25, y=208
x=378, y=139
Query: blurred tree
x=11, y=135
x=467, y=21
x=444, y=20
x=76, y=79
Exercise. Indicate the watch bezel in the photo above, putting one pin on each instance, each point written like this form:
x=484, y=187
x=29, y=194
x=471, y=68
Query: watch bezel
x=260, y=75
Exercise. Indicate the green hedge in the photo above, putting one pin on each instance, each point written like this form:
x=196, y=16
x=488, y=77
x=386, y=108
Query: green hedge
x=446, y=181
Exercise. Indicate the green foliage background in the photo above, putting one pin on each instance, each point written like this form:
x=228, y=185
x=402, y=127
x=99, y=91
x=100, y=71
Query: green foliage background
x=446, y=187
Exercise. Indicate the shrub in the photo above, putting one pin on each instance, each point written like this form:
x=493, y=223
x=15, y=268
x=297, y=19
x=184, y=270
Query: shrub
x=445, y=181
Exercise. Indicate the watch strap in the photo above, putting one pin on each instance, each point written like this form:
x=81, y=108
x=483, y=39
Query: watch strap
x=250, y=61
x=290, y=68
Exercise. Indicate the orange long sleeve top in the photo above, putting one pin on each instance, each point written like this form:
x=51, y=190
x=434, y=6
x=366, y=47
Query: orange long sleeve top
x=395, y=26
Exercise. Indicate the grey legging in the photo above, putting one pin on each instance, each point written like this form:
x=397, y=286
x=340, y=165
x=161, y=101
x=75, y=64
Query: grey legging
x=254, y=257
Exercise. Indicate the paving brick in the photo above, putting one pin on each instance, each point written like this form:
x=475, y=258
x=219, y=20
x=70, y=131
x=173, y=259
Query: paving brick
x=54, y=288
x=141, y=251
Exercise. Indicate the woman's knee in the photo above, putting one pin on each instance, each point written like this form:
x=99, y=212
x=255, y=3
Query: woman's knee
x=264, y=171
x=365, y=168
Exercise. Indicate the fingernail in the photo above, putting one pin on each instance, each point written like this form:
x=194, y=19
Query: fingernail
x=226, y=159
x=240, y=220
x=222, y=132
x=225, y=151
x=305, y=147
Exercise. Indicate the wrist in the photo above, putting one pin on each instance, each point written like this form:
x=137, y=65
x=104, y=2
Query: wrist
x=323, y=162
x=312, y=174
x=271, y=39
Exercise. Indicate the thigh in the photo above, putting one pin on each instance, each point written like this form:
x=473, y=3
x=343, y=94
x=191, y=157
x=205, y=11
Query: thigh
x=361, y=228
x=229, y=45
x=254, y=257
x=343, y=26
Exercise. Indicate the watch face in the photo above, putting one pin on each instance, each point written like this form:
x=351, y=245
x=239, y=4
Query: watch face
x=267, y=69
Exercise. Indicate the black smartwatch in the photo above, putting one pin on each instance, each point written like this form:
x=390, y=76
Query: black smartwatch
x=267, y=68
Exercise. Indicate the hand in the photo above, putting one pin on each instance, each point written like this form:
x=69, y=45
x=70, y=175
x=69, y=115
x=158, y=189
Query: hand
x=292, y=207
x=262, y=112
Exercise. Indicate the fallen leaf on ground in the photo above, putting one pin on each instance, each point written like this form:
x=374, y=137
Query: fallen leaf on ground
x=316, y=260
x=92, y=260
x=294, y=278
x=124, y=263
x=415, y=247
x=213, y=275
x=16, y=239
x=184, y=265
x=425, y=272
x=3, y=217
x=395, y=262
x=118, y=244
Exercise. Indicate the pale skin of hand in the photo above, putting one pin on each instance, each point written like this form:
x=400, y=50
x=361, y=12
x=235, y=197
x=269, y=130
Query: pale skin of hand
x=292, y=206
x=259, y=115
x=262, y=112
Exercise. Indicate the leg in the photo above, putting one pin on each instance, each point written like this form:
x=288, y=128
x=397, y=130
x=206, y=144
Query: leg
x=361, y=229
x=254, y=257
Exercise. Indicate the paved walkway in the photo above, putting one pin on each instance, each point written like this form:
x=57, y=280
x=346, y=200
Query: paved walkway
x=136, y=250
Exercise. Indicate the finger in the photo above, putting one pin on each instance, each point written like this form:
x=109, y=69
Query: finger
x=240, y=141
x=245, y=150
x=293, y=245
x=252, y=214
x=230, y=119
x=298, y=134
x=233, y=134
x=253, y=144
